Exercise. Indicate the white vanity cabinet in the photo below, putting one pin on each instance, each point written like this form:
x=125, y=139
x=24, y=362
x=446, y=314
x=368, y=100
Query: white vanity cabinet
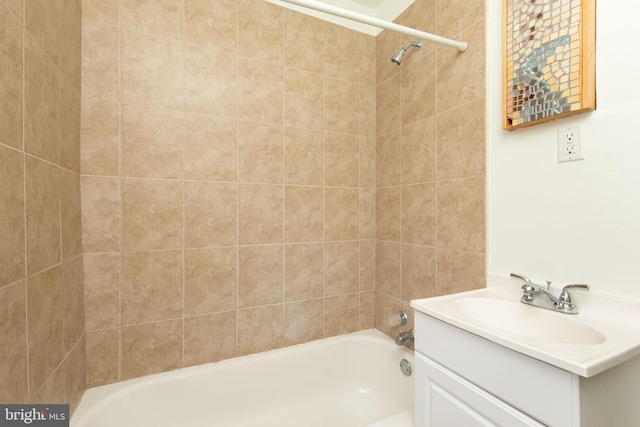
x=465, y=380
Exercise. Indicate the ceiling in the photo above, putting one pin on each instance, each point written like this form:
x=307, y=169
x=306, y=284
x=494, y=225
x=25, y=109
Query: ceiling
x=387, y=10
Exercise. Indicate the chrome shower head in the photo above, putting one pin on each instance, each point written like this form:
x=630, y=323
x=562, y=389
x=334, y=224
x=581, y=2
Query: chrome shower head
x=396, y=58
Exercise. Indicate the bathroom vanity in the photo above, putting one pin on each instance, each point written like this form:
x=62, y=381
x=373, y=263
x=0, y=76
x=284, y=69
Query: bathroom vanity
x=483, y=358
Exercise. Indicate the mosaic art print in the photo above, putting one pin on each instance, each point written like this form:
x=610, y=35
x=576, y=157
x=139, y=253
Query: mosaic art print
x=549, y=60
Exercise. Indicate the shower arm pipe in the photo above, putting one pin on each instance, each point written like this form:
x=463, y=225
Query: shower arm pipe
x=358, y=17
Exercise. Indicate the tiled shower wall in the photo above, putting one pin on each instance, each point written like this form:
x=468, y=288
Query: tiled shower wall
x=42, y=341
x=228, y=151
x=430, y=157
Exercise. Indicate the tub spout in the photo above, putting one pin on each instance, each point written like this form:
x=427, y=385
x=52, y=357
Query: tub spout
x=403, y=337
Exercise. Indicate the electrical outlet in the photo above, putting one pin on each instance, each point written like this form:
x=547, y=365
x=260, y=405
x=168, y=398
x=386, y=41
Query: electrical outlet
x=570, y=146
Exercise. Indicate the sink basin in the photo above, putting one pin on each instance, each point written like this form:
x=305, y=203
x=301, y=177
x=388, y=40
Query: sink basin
x=605, y=332
x=531, y=322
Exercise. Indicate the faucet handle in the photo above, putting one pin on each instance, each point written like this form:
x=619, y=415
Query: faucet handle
x=521, y=277
x=565, y=302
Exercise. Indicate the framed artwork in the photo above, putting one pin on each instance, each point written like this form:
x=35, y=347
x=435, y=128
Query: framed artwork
x=549, y=61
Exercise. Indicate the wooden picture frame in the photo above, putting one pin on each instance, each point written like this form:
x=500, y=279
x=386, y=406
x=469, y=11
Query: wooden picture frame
x=549, y=66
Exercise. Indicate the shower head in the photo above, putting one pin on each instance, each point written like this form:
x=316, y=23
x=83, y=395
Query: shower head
x=396, y=58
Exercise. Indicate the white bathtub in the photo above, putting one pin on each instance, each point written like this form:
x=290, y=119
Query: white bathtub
x=346, y=381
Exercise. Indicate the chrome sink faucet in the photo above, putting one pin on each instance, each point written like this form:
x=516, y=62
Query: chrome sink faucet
x=537, y=295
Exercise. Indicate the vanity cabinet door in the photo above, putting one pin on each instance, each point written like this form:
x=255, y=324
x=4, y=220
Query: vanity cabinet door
x=444, y=399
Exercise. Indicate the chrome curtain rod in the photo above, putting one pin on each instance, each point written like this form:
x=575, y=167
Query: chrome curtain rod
x=358, y=17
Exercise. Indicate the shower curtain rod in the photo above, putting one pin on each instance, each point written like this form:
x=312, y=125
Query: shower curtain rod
x=358, y=17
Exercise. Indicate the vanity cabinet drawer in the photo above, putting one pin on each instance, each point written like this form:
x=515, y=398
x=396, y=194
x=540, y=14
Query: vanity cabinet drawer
x=542, y=391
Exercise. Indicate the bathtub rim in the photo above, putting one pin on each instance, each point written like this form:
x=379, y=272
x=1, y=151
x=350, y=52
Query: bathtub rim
x=96, y=398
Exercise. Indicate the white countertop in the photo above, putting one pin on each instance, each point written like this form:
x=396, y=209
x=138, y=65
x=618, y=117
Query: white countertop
x=616, y=319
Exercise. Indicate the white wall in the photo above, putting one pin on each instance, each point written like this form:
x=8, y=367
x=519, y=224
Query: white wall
x=575, y=222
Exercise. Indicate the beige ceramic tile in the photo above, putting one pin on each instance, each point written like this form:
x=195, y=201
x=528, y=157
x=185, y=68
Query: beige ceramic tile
x=367, y=214
x=367, y=316
x=367, y=60
x=209, y=338
x=342, y=160
x=461, y=214
x=213, y=23
x=42, y=21
x=303, y=321
x=70, y=42
x=41, y=103
x=11, y=79
x=71, y=224
x=341, y=315
x=52, y=392
x=303, y=271
x=101, y=290
x=388, y=214
x=151, y=286
x=100, y=214
x=341, y=268
x=389, y=268
x=460, y=271
x=151, y=215
x=386, y=306
x=419, y=214
x=304, y=39
x=339, y=40
x=260, y=91
x=210, y=81
x=103, y=357
x=389, y=106
x=100, y=152
x=44, y=325
x=367, y=111
x=388, y=160
x=303, y=99
x=418, y=150
x=152, y=142
x=210, y=148
x=151, y=348
x=107, y=11
x=260, y=214
x=260, y=153
x=12, y=229
x=160, y=17
x=367, y=265
x=260, y=329
x=341, y=215
x=210, y=214
x=261, y=31
x=461, y=143
x=210, y=280
x=451, y=22
x=73, y=295
x=303, y=157
x=43, y=215
x=461, y=76
x=341, y=103
x=75, y=375
x=69, y=126
x=260, y=275
x=13, y=344
x=17, y=8
x=303, y=214
x=418, y=90
x=367, y=162
x=418, y=272
x=151, y=70
x=100, y=61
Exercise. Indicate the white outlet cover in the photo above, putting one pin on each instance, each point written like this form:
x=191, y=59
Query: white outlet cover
x=570, y=144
